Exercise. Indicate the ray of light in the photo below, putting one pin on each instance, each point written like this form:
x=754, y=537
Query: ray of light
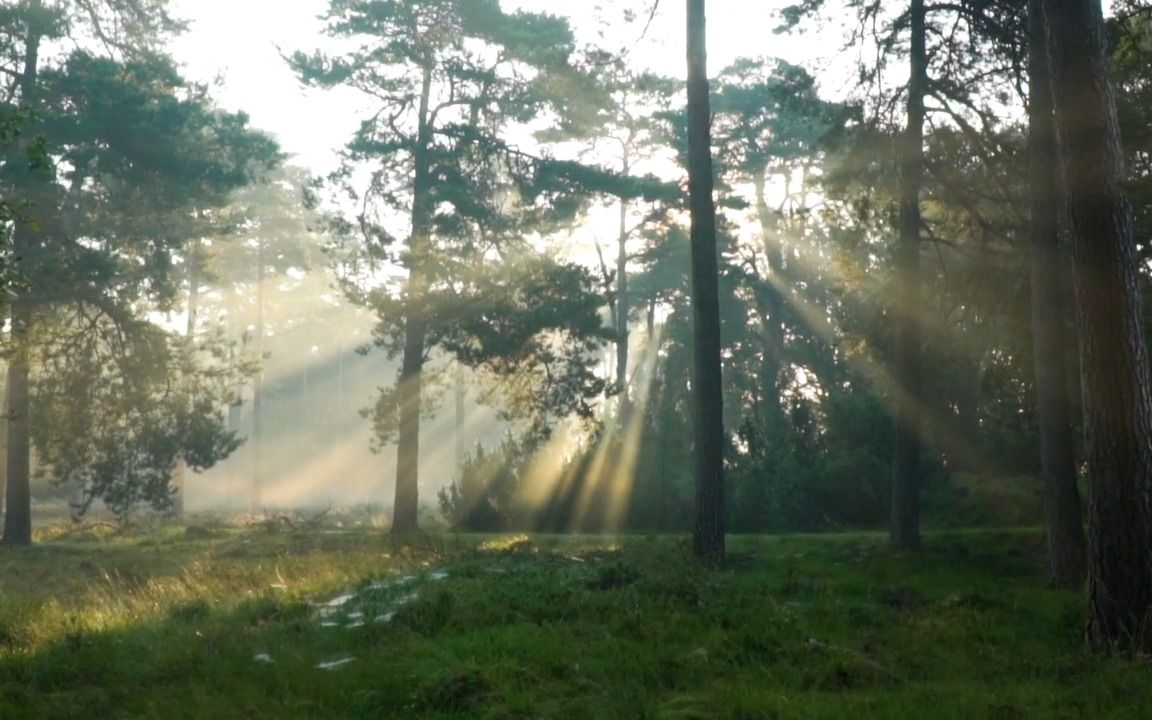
x=600, y=488
x=891, y=391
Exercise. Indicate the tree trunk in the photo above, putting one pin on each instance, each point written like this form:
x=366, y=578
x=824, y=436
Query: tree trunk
x=459, y=434
x=1067, y=551
x=18, y=492
x=255, y=491
x=180, y=472
x=1113, y=357
x=4, y=450
x=905, y=530
x=621, y=319
x=406, y=506
x=708, y=538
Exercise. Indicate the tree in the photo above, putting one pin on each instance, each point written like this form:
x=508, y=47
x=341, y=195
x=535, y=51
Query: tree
x=18, y=515
x=629, y=127
x=952, y=53
x=29, y=29
x=708, y=537
x=12, y=126
x=449, y=78
x=264, y=259
x=771, y=131
x=115, y=408
x=1113, y=355
x=1067, y=554
x=769, y=124
x=905, y=529
x=130, y=148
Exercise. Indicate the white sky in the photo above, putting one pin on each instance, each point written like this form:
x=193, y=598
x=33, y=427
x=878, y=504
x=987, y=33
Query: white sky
x=236, y=41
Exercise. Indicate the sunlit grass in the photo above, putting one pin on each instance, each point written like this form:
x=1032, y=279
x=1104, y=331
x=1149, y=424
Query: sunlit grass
x=504, y=542
x=526, y=626
x=115, y=581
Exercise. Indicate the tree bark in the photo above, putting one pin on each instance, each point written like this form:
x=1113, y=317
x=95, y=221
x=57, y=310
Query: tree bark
x=18, y=493
x=708, y=538
x=905, y=530
x=1113, y=357
x=406, y=507
x=1067, y=551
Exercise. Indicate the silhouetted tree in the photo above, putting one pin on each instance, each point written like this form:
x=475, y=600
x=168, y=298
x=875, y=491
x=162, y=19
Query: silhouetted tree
x=1113, y=356
x=708, y=538
x=1067, y=552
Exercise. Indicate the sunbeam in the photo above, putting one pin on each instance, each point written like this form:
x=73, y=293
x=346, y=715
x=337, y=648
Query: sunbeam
x=878, y=375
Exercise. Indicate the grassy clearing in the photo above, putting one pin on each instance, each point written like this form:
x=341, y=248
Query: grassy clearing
x=225, y=624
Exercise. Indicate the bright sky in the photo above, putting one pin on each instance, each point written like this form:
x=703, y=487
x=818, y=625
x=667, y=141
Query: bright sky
x=237, y=40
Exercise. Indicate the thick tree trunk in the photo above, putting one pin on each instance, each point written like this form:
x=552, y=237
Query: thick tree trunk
x=708, y=538
x=905, y=530
x=406, y=506
x=18, y=492
x=1113, y=357
x=1067, y=551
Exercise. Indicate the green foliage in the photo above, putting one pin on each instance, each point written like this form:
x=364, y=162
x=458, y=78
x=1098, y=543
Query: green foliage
x=1128, y=34
x=770, y=117
x=482, y=498
x=142, y=153
x=129, y=157
x=144, y=126
x=477, y=286
x=985, y=500
x=117, y=404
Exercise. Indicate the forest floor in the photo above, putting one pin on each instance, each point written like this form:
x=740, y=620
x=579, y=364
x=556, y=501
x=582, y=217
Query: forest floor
x=216, y=622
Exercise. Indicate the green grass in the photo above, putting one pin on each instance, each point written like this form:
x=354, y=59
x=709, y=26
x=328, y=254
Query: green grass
x=170, y=624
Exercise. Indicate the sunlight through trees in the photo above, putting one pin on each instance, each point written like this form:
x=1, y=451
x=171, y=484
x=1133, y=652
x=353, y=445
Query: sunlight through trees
x=527, y=267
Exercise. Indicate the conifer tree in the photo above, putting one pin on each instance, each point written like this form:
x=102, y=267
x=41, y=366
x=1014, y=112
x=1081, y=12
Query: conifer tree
x=450, y=79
